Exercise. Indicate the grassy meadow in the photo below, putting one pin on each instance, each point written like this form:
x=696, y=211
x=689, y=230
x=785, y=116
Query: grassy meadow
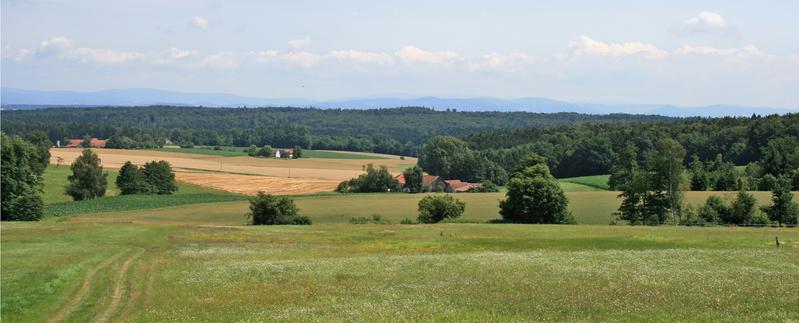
x=191, y=257
x=68, y=268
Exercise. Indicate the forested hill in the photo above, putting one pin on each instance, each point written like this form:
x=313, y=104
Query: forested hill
x=397, y=130
x=589, y=149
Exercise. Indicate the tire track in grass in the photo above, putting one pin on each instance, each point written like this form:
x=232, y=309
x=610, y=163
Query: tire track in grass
x=119, y=290
x=74, y=301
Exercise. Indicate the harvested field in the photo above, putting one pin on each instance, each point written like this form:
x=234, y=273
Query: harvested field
x=244, y=174
x=250, y=185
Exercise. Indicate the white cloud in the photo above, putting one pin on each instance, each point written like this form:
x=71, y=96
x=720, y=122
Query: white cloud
x=221, y=60
x=200, y=22
x=411, y=55
x=744, y=52
x=584, y=46
x=705, y=22
x=363, y=57
x=177, y=53
x=299, y=42
x=304, y=59
x=102, y=56
x=264, y=55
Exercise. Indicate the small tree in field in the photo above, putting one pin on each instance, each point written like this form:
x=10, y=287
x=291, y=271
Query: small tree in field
x=131, y=180
x=267, y=209
x=783, y=209
x=160, y=177
x=88, y=180
x=534, y=196
x=435, y=208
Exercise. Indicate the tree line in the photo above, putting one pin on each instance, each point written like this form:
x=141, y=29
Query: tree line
x=399, y=131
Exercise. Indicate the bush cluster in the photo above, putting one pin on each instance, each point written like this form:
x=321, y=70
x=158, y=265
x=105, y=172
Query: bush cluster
x=436, y=208
x=266, y=209
x=155, y=177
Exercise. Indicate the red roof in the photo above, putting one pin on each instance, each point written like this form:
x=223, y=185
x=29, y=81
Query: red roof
x=428, y=180
x=400, y=178
x=76, y=143
x=458, y=185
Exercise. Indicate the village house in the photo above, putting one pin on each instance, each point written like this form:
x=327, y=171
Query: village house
x=278, y=153
x=432, y=183
x=78, y=143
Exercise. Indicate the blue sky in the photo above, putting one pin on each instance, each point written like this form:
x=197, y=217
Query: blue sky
x=676, y=52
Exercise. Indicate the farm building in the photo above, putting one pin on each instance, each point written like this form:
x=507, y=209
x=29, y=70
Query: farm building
x=77, y=143
x=284, y=153
x=432, y=183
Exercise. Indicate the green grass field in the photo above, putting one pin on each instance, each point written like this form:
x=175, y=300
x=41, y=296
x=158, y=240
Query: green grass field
x=137, y=260
x=242, y=151
x=449, y=272
x=59, y=204
x=599, y=182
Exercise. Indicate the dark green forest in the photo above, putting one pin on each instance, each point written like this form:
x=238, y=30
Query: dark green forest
x=398, y=131
x=487, y=145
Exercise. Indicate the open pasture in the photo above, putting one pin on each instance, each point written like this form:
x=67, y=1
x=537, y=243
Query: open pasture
x=190, y=268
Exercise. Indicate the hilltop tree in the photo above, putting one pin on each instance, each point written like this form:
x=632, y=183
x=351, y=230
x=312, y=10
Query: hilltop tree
x=413, y=179
x=88, y=181
x=21, y=180
x=160, y=177
x=534, y=196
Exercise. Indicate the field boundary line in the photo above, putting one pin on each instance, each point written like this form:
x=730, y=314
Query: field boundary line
x=119, y=290
x=66, y=310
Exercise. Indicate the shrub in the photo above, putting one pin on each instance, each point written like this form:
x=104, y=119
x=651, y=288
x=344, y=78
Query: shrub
x=714, y=210
x=742, y=209
x=160, y=177
x=21, y=180
x=435, y=208
x=359, y=220
x=407, y=221
x=88, y=180
x=534, y=196
x=297, y=153
x=267, y=209
x=486, y=187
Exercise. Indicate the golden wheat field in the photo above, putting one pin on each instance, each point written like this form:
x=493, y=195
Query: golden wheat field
x=243, y=174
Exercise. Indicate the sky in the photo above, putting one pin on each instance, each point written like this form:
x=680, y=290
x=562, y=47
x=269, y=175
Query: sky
x=660, y=52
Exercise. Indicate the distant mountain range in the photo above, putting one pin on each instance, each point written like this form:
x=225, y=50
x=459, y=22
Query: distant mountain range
x=12, y=98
